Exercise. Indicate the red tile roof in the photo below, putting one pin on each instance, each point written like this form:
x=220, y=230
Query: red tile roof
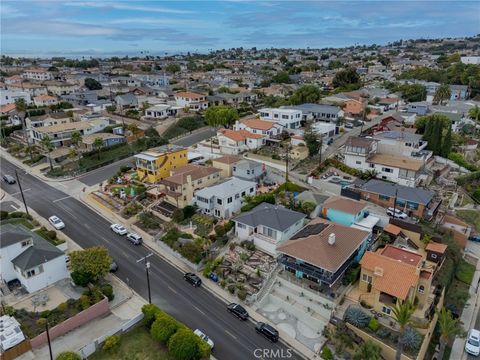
x=405, y=256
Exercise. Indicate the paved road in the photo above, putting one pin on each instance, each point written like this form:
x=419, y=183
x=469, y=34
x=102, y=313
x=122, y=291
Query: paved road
x=198, y=308
x=194, y=138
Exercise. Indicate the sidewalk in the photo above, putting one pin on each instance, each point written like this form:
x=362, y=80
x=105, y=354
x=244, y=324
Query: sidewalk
x=214, y=288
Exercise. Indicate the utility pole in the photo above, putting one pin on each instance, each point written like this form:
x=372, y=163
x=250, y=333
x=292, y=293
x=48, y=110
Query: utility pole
x=21, y=192
x=48, y=339
x=286, y=161
x=147, y=266
x=395, y=204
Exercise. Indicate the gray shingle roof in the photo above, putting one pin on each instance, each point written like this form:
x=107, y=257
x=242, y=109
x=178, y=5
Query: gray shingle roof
x=417, y=195
x=273, y=216
x=11, y=237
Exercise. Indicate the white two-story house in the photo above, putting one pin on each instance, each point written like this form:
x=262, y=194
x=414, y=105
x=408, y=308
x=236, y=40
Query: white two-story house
x=225, y=199
x=32, y=260
x=290, y=119
x=268, y=225
x=257, y=126
x=191, y=100
x=234, y=142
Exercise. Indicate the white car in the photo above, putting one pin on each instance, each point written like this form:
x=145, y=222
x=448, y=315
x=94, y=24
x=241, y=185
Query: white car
x=398, y=214
x=472, y=346
x=56, y=222
x=118, y=229
x=204, y=337
x=134, y=238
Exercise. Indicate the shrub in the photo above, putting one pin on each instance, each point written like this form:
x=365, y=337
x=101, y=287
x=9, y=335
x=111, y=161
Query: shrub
x=68, y=355
x=81, y=278
x=164, y=327
x=383, y=333
x=326, y=353
x=276, y=157
x=231, y=288
x=357, y=317
x=183, y=345
x=107, y=290
x=411, y=339
x=203, y=349
x=111, y=342
x=62, y=307
x=149, y=312
x=242, y=295
x=249, y=245
x=229, y=226
x=3, y=215
x=373, y=324
x=351, y=275
x=84, y=302
x=20, y=214
x=220, y=230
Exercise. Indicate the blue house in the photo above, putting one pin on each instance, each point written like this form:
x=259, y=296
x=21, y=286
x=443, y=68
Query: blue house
x=343, y=211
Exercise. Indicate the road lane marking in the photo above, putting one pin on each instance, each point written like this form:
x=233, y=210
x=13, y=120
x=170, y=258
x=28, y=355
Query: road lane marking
x=15, y=207
x=64, y=198
x=172, y=289
x=200, y=311
x=18, y=192
x=229, y=333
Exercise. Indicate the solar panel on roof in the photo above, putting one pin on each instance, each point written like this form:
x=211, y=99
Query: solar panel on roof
x=309, y=230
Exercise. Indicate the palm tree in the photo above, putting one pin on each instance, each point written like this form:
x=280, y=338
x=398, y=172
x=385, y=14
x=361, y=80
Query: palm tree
x=368, y=351
x=98, y=144
x=76, y=139
x=21, y=107
x=448, y=327
x=474, y=113
x=402, y=313
x=443, y=93
x=48, y=147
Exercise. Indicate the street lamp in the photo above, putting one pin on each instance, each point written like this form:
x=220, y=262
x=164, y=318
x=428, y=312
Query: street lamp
x=147, y=267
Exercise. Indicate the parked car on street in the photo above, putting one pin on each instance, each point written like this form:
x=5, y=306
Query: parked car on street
x=9, y=179
x=113, y=266
x=268, y=331
x=204, y=337
x=193, y=279
x=118, y=229
x=475, y=238
x=56, y=222
x=398, y=213
x=135, y=239
x=349, y=125
x=472, y=345
x=238, y=311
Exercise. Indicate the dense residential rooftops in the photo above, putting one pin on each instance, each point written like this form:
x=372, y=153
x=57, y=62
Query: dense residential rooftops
x=272, y=216
x=311, y=244
x=416, y=195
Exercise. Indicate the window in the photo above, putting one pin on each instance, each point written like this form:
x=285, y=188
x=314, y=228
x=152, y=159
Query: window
x=229, y=200
x=30, y=273
x=412, y=205
x=387, y=170
x=433, y=256
x=237, y=196
x=219, y=201
x=234, y=168
x=248, y=172
x=358, y=162
x=386, y=310
x=243, y=193
x=367, y=278
x=26, y=242
x=241, y=226
x=421, y=289
x=251, y=190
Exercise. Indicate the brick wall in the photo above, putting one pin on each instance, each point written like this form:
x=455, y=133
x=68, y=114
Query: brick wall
x=81, y=318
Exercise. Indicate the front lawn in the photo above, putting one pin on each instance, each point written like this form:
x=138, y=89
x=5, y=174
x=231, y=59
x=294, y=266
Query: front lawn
x=20, y=221
x=465, y=272
x=137, y=344
x=49, y=235
x=470, y=216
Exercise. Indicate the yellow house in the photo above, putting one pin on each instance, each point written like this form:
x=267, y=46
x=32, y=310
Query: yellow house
x=155, y=164
x=393, y=274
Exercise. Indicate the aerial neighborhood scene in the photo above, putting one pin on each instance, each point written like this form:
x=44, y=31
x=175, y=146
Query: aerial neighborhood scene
x=231, y=180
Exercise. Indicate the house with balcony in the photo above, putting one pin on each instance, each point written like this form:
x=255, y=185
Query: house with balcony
x=322, y=251
x=108, y=140
x=37, y=74
x=154, y=165
x=234, y=142
x=417, y=202
x=161, y=111
x=29, y=258
x=224, y=200
x=235, y=100
x=392, y=274
x=319, y=112
x=289, y=119
x=257, y=126
x=403, y=143
x=268, y=226
x=191, y=100
x=183, y=182
x=45, y=100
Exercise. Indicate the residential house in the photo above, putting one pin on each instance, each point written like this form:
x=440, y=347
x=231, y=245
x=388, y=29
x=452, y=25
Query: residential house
x=81, y=97
x=436, y=252
x=391, y=275
x=60, y=88
x=126, y=81
x=235, y=100
x=161, y=111
x=225, y=199
x=45, y=100
x=319, y=112
x=459, y=229
x=46, y=120
x=290, y=119
x=14, y=79
x=268, y=226
x=29, y=258
x=191, y=100
x=459, y=92
x=155, y=164
x=181, y=185
x=248, y=170
x=387, y=122
x=315, y=198
x=108, y=139
x=234, y=142
x=7, y=109
x=9, y=97
x=416, y=202
x=153, y=80
x=257, y=126
x=343, y=211
x=37, y=74
x=322, y=251
x=403, y=143
x=127, y=100
x=419, y=108
x=30, y=88
x=226, y=164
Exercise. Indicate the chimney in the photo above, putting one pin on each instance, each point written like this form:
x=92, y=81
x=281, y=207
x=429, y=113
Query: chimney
x=331, y=239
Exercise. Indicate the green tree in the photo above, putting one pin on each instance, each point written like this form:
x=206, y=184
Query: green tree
x=183, y=345
x=413, y=92
x=312, y=140
x=48, y=147
x=92, y=84
x=442, y=94
x=164, y=327
x=281, y=77
x=217, y=116
x=402, y=313
x=173, y=68
x=447, y=143
x=93, y=261
x=346, y=77
x=98, y=144
x=449, y=327
x=474, y=113
x=20, y=104
x=368, y=351
x=68, y=355
x=305, y=94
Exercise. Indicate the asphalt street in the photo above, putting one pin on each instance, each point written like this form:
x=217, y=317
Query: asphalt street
x=195, y=138
x=196, y=307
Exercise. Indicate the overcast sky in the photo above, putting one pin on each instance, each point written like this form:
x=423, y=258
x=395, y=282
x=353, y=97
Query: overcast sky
x=101, y=27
